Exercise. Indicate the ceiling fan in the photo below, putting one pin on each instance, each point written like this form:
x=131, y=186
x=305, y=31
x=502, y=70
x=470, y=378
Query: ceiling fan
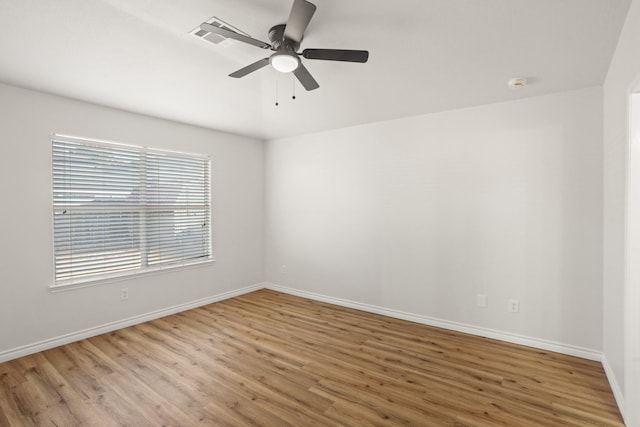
x=285, y=41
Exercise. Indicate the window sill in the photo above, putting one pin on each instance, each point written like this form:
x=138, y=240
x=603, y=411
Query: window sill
x=131, y=275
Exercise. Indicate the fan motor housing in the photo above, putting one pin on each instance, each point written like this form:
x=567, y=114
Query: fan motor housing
x=278, y=41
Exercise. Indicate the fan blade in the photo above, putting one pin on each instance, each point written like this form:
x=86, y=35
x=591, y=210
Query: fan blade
x=250, y=68
x=233, y=35
x=299, y=18
x=337, y=55
x=305, y=78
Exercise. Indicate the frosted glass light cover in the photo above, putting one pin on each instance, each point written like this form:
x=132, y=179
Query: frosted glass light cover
x=284, y=62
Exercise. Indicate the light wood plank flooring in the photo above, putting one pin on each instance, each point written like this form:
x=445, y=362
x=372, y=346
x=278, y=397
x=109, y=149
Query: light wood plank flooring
x=271, y=359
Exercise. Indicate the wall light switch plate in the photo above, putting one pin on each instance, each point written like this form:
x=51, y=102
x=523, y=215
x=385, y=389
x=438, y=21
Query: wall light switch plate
x=482, y=300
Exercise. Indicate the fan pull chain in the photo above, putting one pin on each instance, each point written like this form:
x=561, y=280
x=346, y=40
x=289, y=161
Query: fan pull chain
x=293, y=96
x=293, y=80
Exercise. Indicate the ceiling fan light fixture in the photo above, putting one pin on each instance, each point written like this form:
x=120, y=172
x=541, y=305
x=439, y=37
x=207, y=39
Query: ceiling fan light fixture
x=285, y=61
x=285, y=42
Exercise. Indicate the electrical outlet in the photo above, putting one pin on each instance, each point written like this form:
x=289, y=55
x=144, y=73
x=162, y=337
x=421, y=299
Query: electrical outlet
x=124, y=294
x=482, y=300
x=284, y=269
x=514, y=306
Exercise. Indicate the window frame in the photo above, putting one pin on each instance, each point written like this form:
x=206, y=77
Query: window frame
x=144, y=269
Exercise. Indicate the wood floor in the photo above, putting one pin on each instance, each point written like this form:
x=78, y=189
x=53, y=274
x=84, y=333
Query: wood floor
x=271, y=359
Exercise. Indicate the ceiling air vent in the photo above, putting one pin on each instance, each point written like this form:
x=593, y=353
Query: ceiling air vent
x=216, y=38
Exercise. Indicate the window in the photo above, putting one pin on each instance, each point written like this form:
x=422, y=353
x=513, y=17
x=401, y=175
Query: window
x=121, y=209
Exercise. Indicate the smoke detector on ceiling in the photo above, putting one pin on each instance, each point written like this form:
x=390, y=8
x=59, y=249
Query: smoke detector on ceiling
x=216, y=38
x=517, y=83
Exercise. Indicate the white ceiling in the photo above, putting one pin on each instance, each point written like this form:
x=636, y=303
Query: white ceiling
x=425, y=56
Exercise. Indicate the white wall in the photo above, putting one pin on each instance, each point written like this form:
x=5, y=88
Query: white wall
x=632, y=281
x=29, y=312
x=422, y=214
x=623, y=77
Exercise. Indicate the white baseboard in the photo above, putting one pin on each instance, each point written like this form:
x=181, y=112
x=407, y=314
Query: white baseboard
x=613, y=383
x=426, y=320
x=91, y=332
x=584, y=353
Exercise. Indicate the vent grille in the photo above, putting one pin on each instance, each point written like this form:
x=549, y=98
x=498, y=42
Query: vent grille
x=216, y=38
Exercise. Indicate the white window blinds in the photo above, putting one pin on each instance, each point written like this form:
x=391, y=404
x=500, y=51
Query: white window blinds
x=121, y=209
